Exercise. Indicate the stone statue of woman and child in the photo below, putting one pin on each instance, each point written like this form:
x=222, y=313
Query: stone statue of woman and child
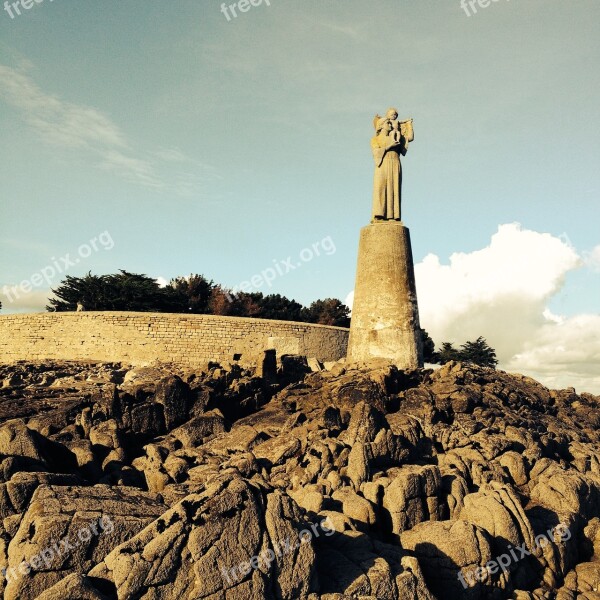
x=391, y=139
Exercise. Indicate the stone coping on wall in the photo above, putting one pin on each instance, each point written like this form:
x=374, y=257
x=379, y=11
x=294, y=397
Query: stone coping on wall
x=124, y=313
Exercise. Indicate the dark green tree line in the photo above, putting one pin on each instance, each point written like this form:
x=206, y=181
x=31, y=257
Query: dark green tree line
x=478, y=352
x=124, y=291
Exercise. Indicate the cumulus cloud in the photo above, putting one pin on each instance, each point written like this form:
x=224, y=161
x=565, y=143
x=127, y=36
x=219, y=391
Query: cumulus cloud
x=563, y=354
x=502, y=293
x=34, y=301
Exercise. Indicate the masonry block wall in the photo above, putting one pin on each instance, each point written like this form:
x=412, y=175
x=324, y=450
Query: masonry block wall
x=143, y=338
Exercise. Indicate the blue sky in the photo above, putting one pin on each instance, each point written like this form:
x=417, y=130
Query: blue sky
x=215, y=146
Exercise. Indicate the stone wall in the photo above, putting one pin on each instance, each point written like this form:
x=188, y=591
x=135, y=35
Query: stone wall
x=142, y=338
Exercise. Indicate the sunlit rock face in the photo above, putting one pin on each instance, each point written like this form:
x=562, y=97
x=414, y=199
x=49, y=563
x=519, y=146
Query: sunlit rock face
x=356, y=481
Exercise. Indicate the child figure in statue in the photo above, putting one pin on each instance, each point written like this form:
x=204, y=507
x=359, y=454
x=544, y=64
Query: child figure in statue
x=392, y=116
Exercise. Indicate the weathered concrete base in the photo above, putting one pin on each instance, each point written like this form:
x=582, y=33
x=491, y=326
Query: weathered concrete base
x=385, y=314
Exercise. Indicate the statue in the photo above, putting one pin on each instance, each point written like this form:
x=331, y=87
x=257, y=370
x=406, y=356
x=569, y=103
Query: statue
x=391, y=139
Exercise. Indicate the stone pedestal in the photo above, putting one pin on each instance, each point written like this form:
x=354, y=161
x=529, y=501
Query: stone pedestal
x=385, y=314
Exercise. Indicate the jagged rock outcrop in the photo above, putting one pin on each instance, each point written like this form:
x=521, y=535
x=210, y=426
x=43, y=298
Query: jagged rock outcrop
x=350, y=481
x=68, y=529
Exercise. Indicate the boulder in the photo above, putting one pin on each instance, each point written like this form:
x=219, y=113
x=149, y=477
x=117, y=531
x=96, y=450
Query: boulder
x=194, y=549
x=69, y=529
x=175, y=397
x=363, y=568
x=16, y=439
x=200, y=429
x=412, y=496
x=365, y=423
x=453, y=555
x=73, y=587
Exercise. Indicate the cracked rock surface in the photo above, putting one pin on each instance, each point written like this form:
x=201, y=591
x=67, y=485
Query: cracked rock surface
x=357, y=482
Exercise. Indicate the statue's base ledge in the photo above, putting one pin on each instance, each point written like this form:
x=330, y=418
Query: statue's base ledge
x=398, y=344
x=386, y=222
x=402, y=363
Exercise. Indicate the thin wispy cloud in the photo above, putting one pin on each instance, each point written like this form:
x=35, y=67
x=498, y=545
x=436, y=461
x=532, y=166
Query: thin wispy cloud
x=131, y=168
x=71, y=126
x=171, y=155
x=348, y=30
x=175, y=155
x=83, y=128
x=592, y=259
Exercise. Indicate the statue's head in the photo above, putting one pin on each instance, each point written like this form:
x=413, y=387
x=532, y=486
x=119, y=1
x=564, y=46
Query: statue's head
x=383, y=124
x=392, y=114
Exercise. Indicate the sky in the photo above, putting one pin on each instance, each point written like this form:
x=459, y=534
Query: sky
x=170, y=138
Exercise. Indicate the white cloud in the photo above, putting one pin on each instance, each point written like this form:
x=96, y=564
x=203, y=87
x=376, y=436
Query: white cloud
x=550, y=316
x=349, y=300
x=34, y=301
x=82, y=128
x=565, y=354
x=501, y=292
x=71, y=126
x=592, y=259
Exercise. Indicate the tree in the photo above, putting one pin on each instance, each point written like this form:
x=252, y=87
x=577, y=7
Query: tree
x=479, y=353
x=447, y=353
x=220, y=302
x=133, y=292
x=225, y=303
x=276, y=306
x=89, y=290
x=429, y=353
x=330, y=311
x=194, y=292
x=122, y=291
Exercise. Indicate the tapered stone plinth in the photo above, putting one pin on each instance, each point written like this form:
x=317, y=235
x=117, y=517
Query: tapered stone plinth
x=385, y=313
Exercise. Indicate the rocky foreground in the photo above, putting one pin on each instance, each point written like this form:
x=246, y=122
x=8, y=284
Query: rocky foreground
x=357, y=482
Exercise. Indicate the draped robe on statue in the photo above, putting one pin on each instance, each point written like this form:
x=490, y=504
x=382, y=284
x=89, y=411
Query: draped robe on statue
x=387, y=186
